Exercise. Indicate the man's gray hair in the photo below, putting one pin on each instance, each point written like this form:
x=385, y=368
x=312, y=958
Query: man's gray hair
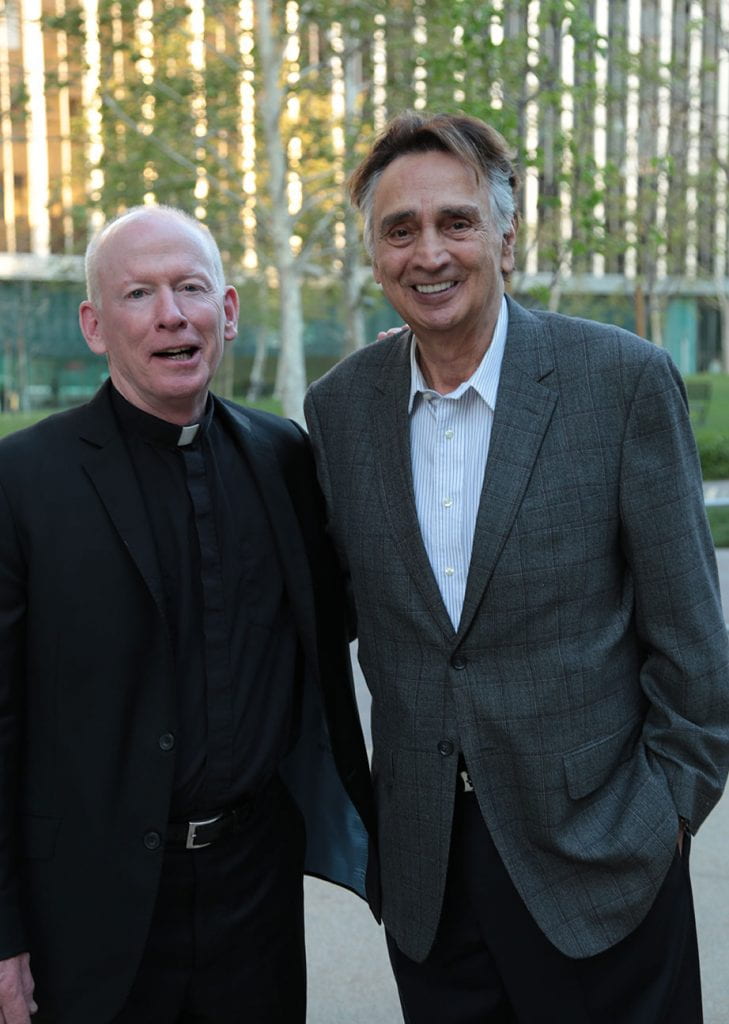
x=477, y=144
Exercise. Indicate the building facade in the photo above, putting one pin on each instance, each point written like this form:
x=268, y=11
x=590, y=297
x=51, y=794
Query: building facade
x=620, y=111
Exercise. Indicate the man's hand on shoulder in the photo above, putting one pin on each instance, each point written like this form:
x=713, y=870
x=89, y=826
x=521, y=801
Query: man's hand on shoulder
x=390, y=332
x=16, y=990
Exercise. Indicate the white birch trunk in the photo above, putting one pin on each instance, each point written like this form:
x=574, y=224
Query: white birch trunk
x=724, y=307
x=258, y=368
x=352, y=277
x=291, y=373
x=655, y=307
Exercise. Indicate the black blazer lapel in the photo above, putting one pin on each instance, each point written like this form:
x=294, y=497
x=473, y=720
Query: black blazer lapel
x=107, y=463
x=261, y=457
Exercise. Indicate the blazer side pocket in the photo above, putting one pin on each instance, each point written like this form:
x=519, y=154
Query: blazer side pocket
x=591, y=765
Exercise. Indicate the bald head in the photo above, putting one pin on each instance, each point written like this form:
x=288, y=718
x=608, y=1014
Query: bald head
x=142, y=216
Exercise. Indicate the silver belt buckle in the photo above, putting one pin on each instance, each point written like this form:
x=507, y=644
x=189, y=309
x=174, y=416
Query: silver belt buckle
x=466, y=780
x=192, y=827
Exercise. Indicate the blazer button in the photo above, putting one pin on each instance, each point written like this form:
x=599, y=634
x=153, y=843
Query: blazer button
x=445, y=747
x=166, y=741
x=152, y=840
x=458, y=661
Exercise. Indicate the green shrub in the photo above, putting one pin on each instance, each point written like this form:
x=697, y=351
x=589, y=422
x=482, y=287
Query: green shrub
x=719, y=523
x=714, y=455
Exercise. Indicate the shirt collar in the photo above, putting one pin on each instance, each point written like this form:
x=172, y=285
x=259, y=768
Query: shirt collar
x=485, y=378
x=158, y=432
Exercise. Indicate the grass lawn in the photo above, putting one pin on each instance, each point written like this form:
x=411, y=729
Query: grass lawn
x=12, y=421
x=719, y=523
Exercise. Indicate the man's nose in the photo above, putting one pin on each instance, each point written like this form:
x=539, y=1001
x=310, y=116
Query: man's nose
x=169, y=315
x=430, y=249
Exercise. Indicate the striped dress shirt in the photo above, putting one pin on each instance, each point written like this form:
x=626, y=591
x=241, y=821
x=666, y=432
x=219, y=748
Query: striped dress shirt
x=449, y=441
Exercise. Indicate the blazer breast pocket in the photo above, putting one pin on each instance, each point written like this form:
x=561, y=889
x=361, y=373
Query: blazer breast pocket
x=591, y=765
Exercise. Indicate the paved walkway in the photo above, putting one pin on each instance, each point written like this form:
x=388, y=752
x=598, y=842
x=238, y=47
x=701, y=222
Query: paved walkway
x=349, y=975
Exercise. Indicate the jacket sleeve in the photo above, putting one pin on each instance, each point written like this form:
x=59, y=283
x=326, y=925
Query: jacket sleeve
x=12, y=643
x=679, y=619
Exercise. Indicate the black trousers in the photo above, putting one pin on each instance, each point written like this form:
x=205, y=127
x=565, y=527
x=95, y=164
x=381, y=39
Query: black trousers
x=226, y=944
x=491, y=964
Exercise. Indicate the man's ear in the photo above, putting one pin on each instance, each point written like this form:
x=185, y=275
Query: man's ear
x=231, y=307
x=90, y=323
x=508, y=243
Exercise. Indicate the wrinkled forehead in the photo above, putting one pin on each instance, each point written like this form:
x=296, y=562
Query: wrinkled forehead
x=433, y=178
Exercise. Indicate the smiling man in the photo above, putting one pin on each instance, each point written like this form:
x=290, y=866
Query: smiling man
x=517, y=499
x=172, y=646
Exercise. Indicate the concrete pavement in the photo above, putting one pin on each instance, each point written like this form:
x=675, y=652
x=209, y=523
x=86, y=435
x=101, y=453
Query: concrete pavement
x=349, y=975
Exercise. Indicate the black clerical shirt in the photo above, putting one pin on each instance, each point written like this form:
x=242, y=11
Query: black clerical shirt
x=233, y=635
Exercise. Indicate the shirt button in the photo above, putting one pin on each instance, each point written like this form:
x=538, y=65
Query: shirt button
x=449, y=435
x=449, y=570
x=166, y=741
x=447, y=502
x=152, y=840
x=458, y=661
x=445, y=747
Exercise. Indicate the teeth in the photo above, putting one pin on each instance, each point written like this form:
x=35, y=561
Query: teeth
x=429, y=289
x=176, y=353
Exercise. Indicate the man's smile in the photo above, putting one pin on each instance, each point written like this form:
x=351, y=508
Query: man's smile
x=433, y=289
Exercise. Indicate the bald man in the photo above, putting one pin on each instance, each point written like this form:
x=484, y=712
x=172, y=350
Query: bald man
x=172, y=649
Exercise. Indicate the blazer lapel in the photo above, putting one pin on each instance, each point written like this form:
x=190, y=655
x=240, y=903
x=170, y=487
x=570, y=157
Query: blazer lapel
x=265, y=467
x=392, y=431
x=109, y=467
x=524, y=407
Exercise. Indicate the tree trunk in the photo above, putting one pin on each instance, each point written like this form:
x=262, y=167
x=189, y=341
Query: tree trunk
x=639, y=306
x=258, y=369
x=291, y=373
x=354, y=321
x=724, y=312
x=22, y=365
x=224, y=378
x=555, y=293
x=655, y=312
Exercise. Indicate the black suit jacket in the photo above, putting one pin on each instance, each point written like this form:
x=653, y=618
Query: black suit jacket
x=87, y=691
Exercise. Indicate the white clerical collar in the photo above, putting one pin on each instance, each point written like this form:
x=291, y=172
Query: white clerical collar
x=187, y=435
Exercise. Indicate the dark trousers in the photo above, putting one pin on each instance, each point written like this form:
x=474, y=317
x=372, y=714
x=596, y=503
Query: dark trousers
x=226, y=944
x=491, y=964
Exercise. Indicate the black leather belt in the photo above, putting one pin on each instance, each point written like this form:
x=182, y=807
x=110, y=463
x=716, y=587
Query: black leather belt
x=193, y=835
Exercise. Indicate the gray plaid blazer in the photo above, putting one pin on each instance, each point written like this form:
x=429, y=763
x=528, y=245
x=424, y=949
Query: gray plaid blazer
x=587, y=685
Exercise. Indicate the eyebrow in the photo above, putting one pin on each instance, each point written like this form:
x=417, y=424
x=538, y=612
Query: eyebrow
x=395, y=218
x=468, y=211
